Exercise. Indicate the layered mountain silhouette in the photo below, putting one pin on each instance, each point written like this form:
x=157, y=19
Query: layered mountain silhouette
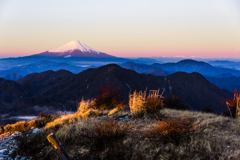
x=38, y=67
x=63, y=90
x=226, y=64
x=72, y=53
x=187, y=65
x=144, y=68
x=229, y=83
x=203, y=68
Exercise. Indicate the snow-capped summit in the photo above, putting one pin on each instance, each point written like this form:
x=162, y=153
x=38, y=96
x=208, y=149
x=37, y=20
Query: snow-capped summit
x=73, y=45
x=74, y=49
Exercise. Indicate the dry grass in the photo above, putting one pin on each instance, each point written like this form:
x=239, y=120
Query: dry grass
x=22, y=126
x=175, y=136
x=136, y=101
x=83, y=106
x=111, y=128
x=116, y=109
x=105, y=138
x=61, y=121
x=140, y=103
x=173, y=130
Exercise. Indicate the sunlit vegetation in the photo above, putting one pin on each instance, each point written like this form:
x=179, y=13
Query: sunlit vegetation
x=141, y=104
x=233, y=103
x=99, y=131
x=24, y=125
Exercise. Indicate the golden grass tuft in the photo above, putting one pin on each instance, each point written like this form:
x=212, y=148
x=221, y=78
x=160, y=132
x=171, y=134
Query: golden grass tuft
x=20, y=126
x=61, y=121
x=83, y=106
x=136, y=101
x=140, y=103
x=89, y=113
x=24, y=125
x=116, y=109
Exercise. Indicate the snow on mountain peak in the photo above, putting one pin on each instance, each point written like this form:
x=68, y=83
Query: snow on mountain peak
x=74, y=45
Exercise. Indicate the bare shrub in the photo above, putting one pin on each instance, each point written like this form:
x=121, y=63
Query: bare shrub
x=108, y=99
x=173, y=130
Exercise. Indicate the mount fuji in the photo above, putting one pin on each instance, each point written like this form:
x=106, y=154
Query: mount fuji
x=73, y=53
x=74, y=49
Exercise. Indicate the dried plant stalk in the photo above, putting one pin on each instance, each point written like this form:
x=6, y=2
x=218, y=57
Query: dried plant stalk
x=137, y=100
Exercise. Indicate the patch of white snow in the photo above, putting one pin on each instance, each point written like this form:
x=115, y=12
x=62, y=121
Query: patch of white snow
x=73, y=45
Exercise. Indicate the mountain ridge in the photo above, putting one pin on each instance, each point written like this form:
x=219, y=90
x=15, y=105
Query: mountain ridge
x=65, y=91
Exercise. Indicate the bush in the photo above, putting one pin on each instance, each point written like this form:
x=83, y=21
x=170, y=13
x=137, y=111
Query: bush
x=108, y=99
x=153, y=104
x=173, y=130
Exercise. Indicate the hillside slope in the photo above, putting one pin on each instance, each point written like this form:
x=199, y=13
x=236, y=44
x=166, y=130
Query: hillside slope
x=67, y=89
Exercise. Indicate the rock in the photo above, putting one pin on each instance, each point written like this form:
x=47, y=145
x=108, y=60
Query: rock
x=36, y=130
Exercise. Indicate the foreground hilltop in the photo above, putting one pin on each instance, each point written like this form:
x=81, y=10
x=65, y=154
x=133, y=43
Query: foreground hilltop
x=62, y=90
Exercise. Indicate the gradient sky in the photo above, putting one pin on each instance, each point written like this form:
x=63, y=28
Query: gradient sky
x=136, y=28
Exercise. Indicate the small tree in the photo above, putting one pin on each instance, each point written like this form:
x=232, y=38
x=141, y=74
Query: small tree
x=108, y=99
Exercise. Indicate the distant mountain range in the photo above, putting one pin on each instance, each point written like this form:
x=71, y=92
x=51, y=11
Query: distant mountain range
x=37, y=67
x=145, y=68
x=226, y=64
x=187, y=65
x=225, y=78
x=76, y=56
x=72, y=53
x=60, y=90
x=229, y=83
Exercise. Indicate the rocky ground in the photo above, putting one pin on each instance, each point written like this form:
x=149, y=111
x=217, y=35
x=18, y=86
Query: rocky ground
x=8, y=144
